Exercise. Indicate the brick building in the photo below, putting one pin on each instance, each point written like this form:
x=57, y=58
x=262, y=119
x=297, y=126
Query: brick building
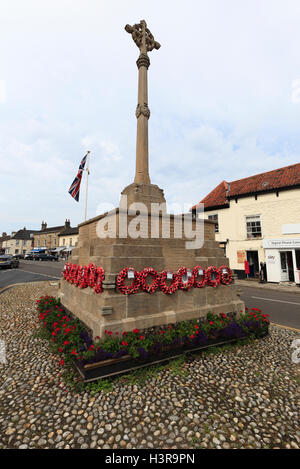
x=258, y=219
x=48, y=237
x=20, y=242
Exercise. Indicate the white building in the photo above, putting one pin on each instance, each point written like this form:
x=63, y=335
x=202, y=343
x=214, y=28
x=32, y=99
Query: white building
x=258, y=220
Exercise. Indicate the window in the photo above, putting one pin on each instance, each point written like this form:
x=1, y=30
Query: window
x=17, y=242
x=253, y=225
x=70, y=241
x=64, y=242
x=214, y=218
x=16, y=251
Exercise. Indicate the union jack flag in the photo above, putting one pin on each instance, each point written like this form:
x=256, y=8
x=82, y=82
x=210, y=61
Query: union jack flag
x=75, y=186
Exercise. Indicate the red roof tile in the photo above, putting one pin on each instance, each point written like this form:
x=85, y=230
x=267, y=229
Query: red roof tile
x=288, y=176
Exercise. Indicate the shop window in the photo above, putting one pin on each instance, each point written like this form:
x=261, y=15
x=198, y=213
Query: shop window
x=253, y=226
x=214, y=218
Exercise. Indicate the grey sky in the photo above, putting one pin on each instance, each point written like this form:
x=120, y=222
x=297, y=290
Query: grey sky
x=224, y=95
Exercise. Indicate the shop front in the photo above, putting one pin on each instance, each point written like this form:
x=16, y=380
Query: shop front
x=282, y=259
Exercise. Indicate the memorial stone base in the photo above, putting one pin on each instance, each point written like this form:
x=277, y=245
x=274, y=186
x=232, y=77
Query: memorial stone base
x=114, y=311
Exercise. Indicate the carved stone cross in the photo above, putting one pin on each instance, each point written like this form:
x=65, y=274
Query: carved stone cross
x=142, y=37
x=145, y=42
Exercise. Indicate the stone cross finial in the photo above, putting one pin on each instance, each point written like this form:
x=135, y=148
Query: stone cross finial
x=142, y=37
x=145, y=42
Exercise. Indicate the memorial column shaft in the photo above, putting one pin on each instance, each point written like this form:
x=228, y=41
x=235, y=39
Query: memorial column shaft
x=142, y=114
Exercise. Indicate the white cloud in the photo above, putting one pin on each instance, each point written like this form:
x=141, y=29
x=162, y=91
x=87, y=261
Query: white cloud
x=222, y=95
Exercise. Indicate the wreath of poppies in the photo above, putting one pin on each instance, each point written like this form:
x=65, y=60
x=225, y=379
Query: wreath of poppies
x=128, y=289
x=151, y=288
x=99, y=279
x=73, y=273
x=203, y=277
x=210, y=272
x=92, y=276
x=187, y=285
x=225, y=275
x=84, y=282
x=78, y=275
x=66, y=271
x=168, y=290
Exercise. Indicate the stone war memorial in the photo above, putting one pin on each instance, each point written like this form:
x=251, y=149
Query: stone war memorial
x=137, y=267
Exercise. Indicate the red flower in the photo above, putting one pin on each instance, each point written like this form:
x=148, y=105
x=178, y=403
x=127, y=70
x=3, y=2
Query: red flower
x=136, y=331
x=196, y=327
x=60, y=349
x=66, y=342
x=124, y=333
x=74, y=352
x=109, y=333
x=211, y=323
x=124, y=343
x=192, y=336
x=92, y=347
x=61, y=362
x=142, y=337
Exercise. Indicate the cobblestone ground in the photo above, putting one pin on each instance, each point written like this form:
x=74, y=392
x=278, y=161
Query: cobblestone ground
x=246, y=397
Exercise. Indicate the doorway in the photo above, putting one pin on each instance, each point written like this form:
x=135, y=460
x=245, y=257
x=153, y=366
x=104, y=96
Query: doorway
x=287, y=266
x=252, y=258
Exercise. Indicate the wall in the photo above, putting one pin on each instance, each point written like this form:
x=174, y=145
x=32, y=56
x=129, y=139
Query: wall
x=65, y=240
x=48, y=240
x=274, y=211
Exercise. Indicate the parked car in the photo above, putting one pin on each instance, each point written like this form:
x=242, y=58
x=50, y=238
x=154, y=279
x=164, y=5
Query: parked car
x=18, y=256
x=9, y=262
x=44, y=257
x=29, y=256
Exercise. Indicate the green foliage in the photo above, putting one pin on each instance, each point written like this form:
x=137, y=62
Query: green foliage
x=67, y=336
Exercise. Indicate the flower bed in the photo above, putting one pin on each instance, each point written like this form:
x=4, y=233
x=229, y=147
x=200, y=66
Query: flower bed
x=120, y=352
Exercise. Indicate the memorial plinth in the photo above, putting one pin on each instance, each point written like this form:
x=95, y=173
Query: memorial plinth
x=110, y=309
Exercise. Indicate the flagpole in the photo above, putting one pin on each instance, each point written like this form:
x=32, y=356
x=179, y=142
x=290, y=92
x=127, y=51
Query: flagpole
x=87, y=183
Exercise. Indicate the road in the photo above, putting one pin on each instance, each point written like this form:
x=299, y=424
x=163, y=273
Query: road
x=283, y=307
x=31, y=271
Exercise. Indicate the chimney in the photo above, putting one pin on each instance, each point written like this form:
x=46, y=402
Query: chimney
x=67, y=224
x=44, y=225
x=4, y=234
